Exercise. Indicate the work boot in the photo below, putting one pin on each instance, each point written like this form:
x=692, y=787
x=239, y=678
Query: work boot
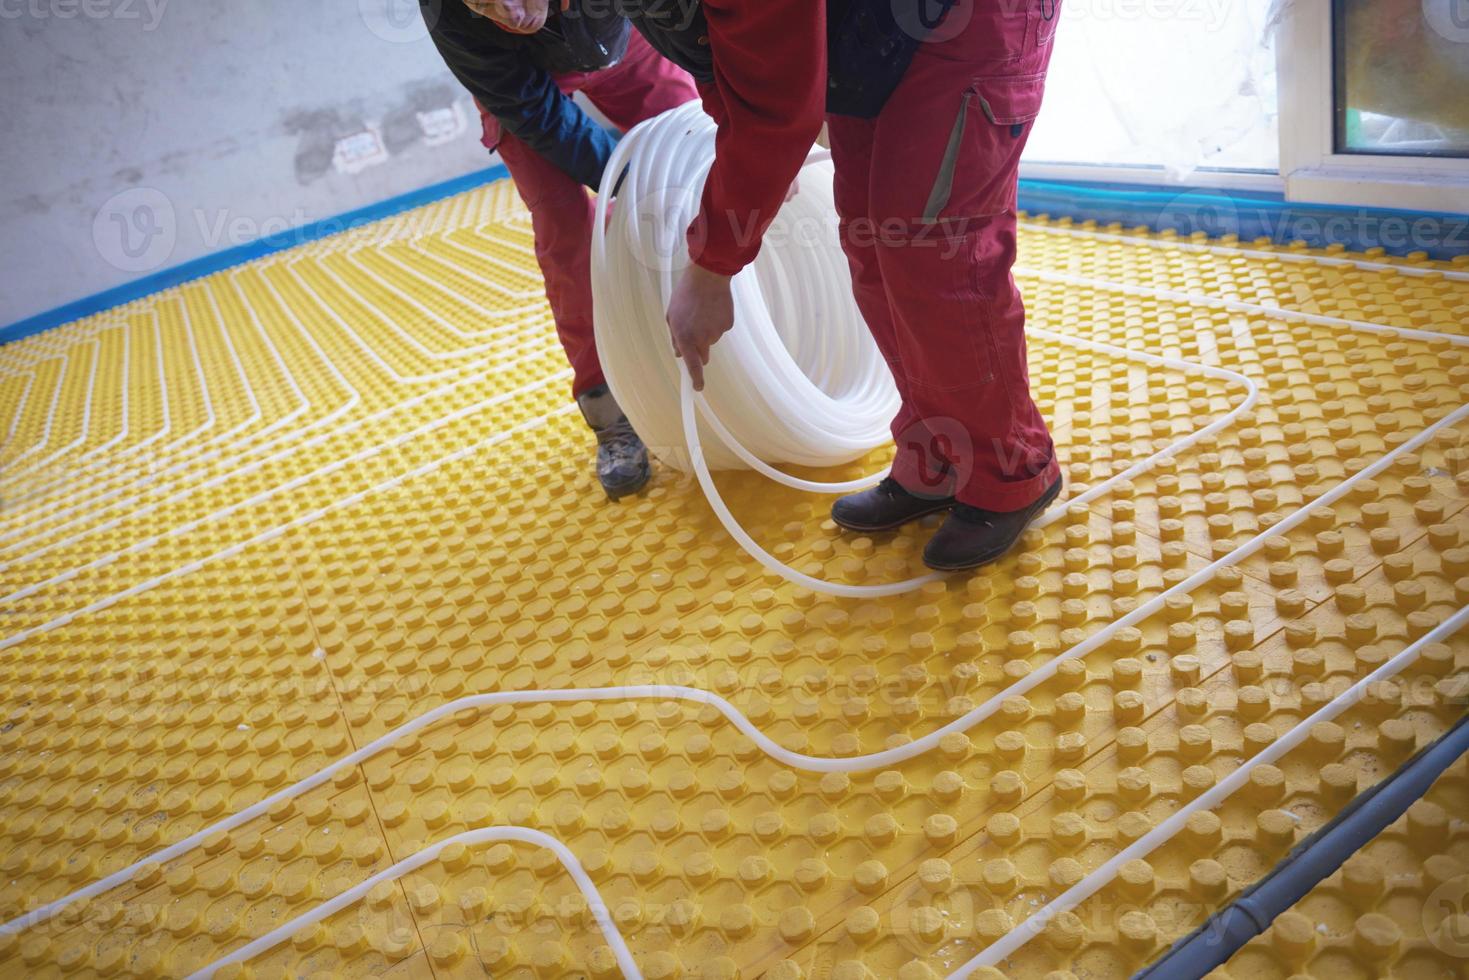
x=884, y=507
x=971, y=537
x=622, y=459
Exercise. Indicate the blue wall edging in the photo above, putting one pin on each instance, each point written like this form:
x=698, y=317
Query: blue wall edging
x=1251, y=215
x=1247, y=214
x=235, y=255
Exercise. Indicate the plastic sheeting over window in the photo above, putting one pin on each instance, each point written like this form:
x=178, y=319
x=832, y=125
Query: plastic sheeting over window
x=1177, y=84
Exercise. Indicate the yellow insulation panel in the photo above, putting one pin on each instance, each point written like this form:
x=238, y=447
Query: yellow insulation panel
x=329, y=504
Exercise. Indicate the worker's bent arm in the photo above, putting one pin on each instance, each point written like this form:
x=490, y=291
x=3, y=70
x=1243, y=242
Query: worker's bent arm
x=767, y=96
x=522, y=96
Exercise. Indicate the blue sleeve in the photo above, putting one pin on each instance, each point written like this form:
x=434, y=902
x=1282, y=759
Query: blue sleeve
x=522, y=96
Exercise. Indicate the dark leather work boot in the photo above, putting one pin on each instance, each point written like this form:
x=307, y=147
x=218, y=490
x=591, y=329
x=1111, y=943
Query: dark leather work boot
x=971, y=537
x=884, y=507
x=622, y=459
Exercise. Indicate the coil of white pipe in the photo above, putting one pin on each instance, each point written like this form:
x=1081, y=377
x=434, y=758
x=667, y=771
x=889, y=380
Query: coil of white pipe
x=798, y=379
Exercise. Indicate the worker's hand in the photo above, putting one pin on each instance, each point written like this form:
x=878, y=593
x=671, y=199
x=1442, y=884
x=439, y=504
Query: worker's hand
x=700, y=311
x=515, y=16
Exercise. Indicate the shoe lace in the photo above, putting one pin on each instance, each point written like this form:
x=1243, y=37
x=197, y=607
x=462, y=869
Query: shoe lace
x=972, y=515
x=619, y=440
x=889, y=487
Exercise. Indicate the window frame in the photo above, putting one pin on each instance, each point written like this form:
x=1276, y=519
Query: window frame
x=1311, y=169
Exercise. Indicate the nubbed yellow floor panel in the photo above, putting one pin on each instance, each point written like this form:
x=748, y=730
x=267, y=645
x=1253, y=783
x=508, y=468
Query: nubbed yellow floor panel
x=1400, y=905
x=318, y=507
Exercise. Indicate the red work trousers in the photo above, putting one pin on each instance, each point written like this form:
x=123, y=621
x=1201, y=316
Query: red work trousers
x=926, y=197
x=638, y=87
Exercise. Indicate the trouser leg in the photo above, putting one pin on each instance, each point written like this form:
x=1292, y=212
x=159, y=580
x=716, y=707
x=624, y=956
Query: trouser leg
x=561, y=216
x=919, y=463
x=945, y=153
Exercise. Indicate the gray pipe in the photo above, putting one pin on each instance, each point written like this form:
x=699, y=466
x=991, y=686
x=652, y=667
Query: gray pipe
x=1310, y=861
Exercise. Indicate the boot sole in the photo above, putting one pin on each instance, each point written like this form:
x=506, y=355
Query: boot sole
x=891, y=525
x=994, y=556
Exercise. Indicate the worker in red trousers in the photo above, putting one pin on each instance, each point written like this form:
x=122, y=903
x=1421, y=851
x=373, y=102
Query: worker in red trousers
x=926, y=178
x=522, y=63
x=930, y=103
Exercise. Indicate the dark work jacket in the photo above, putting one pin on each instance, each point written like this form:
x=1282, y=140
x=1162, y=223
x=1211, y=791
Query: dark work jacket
x=512, y=75
x=869, y=45
x=678, y=30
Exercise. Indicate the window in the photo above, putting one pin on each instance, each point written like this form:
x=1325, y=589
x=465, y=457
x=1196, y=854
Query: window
x=1371, y=100
x=1402, y=77
x=1355, y=102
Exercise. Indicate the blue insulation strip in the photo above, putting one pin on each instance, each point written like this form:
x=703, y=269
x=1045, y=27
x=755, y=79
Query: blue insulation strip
x=1251, y=216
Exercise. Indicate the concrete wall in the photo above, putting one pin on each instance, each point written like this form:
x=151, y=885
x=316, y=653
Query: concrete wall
x=138, y=134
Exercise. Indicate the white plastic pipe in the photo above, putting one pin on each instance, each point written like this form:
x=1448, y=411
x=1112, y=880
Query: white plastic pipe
x=469, y=838
x=799, y=760
x=992, y=955
x=886, y=758
x=1239, y=306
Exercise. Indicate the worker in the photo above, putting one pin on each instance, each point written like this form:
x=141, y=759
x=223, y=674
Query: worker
x=522, y=62
x=927, y=119
x=760, y=70
x=926, y=126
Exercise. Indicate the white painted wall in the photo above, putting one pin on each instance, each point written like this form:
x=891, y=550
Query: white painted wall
x=138, y=134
